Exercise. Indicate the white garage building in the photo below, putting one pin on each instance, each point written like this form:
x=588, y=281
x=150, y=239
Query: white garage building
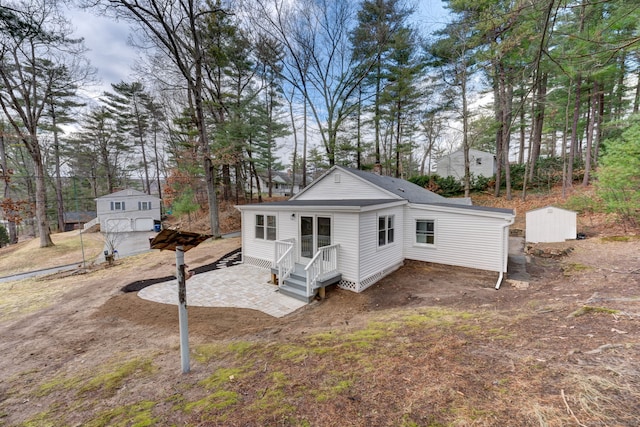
x=127, y=210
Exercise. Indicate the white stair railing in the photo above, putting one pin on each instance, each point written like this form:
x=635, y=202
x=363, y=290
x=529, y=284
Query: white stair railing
x=323, y=264
x=90, y=224
x=284, y=258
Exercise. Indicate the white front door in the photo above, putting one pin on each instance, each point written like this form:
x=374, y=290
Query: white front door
x=315, y=232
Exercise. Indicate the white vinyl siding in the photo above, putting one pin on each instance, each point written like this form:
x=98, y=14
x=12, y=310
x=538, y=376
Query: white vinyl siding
x=480, y=163
x=345, y=233
x=374, y=258
x=346, y=187
x=128, y=210
x=462, y=239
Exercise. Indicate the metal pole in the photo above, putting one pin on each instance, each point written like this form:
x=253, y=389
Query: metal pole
x=75, y=194
x=182, y=310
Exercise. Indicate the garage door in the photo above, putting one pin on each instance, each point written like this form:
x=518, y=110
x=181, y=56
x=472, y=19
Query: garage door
x=144, y=224
x=118, y=225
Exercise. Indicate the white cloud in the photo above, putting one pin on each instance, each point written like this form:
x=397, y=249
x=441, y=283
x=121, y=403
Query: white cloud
x=109, y=50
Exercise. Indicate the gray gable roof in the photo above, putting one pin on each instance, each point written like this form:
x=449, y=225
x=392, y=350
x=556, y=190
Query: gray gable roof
x=127, y=192
x=401, y=188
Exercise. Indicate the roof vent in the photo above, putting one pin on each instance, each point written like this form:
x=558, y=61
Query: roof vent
x=336, y=177
x=401, y=189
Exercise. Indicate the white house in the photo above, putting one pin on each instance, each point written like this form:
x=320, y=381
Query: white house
x=480, y=163
x=550, y=224
x=127, y=210
x=281, y=183
x=353, y=228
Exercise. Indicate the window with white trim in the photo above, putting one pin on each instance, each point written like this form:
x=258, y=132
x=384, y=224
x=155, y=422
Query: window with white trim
x=144, y=206
x=426, y=231
x=117, y=206
x=266, y=227
x=385, y=229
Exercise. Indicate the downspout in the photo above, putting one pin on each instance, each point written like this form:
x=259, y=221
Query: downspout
x=502, y=251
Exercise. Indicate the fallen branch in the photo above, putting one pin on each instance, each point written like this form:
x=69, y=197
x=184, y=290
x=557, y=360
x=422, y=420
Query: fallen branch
x=604, y=347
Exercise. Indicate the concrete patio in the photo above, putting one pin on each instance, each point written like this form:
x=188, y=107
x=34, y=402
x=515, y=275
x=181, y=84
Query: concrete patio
x=240, y=286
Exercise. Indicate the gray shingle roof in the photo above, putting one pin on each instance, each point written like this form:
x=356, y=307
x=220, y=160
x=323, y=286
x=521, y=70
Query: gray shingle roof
x=327, y=203
x=405, y=189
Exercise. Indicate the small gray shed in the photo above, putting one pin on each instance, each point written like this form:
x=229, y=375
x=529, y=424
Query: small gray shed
x=550, y=224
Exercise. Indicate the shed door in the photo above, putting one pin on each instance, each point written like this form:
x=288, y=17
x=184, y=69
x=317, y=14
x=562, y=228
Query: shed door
x=315, y=232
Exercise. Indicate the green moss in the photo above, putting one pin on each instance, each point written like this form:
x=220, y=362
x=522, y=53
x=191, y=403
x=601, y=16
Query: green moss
x=216, y=401
x=221, y=377
x=58, y=383
x=240, y=347
x=322, y=339
x=113, y=379
x=332, y=391
x=293, y=353
x=569, y=269
x=365, y=338
x=587, y=309
x=205, y=352
x=616, y=239
x=135, y=415
x=42, y=419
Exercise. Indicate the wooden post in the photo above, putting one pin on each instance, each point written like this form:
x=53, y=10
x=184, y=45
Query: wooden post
x=182, y=310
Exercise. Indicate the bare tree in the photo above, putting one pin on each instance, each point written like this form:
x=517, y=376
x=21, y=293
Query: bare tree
x=174, y=26
x=26, y=57
x=319, y=60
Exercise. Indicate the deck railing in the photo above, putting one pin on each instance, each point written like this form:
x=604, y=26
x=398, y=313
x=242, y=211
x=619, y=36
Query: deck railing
x=284, y=258
x=323, y=264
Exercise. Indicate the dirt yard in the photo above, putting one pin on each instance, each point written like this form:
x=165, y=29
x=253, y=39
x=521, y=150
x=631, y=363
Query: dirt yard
x=428, y=345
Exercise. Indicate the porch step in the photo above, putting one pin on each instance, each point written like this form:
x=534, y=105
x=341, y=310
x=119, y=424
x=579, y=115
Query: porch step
x=295, y=286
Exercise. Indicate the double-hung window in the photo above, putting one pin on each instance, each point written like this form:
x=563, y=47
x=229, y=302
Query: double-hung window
x=426, y=231
x=385, y=229
x=144, y=206
x=266, y=227
x=117, y=206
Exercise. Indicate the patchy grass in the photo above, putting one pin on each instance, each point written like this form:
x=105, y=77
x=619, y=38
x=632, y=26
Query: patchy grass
x=113, y=377
x=27, y=256
x=619, y=238
x=133, y=415
x=574, y=267
x=587, y=309
x=30, y=295
x=423, y=367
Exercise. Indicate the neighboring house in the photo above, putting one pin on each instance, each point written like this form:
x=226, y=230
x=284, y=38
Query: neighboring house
x=550, y=224
x=76, y=220
x=480, y=163
x=127, y=210
x=281, y=183
x=353, y=228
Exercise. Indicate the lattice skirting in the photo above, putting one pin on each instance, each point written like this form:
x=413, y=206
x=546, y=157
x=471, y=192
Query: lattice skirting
x=364, y=284
x=258, y=262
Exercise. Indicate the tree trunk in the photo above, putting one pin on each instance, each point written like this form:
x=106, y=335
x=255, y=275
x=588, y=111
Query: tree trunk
x=41, y=197
x=294, y=157
x=636, y=98
x=540, y=94
x=574, y=132
x=13, y=235
x=58, y=177
x=465, y=133
x=590, y=130
x=304, y=142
